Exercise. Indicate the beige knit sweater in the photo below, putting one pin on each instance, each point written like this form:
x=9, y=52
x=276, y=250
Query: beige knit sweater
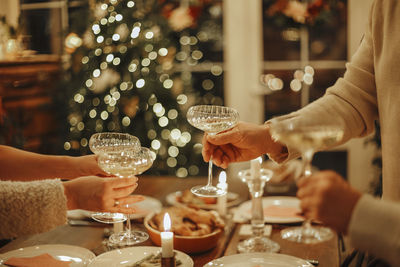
x=31, y=207
x=370, y=89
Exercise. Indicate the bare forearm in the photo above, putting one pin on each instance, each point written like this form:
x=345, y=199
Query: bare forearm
x=20, y=165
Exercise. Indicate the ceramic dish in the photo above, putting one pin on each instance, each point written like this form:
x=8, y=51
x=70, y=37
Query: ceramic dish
x=129, y=256
x=78, y=256
x=259, y=260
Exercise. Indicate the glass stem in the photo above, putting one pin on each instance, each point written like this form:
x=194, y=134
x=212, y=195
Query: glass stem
x=257, y=216
x=307, y=166
x=128, y=226
x=256, y=187
x=307, y=159
x=210, y=177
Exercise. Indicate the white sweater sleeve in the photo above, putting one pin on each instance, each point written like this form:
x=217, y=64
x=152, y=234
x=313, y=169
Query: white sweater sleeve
x=31, y=207
x=375, y=228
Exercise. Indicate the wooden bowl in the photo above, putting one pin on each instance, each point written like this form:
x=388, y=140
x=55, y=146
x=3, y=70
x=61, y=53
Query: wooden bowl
x=187, y=244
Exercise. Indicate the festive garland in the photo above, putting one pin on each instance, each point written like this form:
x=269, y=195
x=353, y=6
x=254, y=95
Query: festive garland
x=307, y=12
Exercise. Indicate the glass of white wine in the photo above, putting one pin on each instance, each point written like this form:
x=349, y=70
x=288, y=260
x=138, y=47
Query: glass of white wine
x=212, y=120
x=305, y=138
x=112, y=143
x=127, y=164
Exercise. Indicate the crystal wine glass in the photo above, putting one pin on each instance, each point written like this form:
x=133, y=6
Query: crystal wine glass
x=108, y=142
x=306, y=139
x=257, y=242
x=127, y=164
x=211, y=119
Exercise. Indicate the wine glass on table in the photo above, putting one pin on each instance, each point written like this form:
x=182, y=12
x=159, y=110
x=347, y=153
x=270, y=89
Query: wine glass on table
x=212, y=120
x=256, y=178
x=114, y=143
x=127, y=164
x=306, y=139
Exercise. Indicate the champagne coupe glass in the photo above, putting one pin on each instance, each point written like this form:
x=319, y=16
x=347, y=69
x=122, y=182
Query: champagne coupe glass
x=211, y=119
x=127, y=164
x=108, y=142
x=257, y=242
x=305, y=138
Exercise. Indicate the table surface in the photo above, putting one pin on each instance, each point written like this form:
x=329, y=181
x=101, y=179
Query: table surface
x=92, y=237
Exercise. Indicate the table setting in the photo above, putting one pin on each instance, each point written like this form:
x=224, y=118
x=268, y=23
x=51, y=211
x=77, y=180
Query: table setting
x=179, y=222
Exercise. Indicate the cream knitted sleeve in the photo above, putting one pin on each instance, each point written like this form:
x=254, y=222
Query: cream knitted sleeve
x=375, y=227
x=351, y=102
x=31, y=207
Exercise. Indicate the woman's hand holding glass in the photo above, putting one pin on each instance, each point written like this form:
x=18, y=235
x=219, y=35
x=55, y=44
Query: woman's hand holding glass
x=99, y=194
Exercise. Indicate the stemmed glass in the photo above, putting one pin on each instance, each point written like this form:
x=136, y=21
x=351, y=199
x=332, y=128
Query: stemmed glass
x=305, y=138
x=257, y=242
x=112, y=143
x=212, y=120
x=127, y=164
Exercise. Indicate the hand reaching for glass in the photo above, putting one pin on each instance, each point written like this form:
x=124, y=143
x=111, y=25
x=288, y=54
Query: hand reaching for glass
x=326, y=197
x=100, y=194
x=243, y=142
x=85, y=166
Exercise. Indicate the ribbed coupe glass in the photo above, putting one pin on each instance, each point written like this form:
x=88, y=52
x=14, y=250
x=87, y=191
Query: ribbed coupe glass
x=112, y=143
x=212, y=120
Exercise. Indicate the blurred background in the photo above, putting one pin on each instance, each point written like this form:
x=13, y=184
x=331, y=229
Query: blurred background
x=69, y=69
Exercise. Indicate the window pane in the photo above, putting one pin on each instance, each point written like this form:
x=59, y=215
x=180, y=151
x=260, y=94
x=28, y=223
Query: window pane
x=282, y=101
x=323, y=79
x=280, y=43
x=328, y=41
x=44, y=27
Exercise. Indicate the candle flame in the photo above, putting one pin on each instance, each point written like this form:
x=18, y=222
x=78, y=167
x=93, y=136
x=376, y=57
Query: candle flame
x=222, y=177
x=167, y=222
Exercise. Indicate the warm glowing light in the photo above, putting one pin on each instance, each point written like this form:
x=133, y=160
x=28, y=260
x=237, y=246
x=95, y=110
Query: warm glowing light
x=155, y=144
x=295, y=85
x=140, y=83
x=168, y=83
x=135, y=32
x=222, y=177
x=163, y=52
x=167, y=222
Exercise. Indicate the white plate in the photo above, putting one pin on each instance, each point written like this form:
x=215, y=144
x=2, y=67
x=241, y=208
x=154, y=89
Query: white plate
x=259, y=260
x=149, y=204
x=144, y=207
x=233, y=200
x=128, y=256
x=276, y=210
x=78, y=256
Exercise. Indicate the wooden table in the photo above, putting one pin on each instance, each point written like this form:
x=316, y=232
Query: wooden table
x=91, y=237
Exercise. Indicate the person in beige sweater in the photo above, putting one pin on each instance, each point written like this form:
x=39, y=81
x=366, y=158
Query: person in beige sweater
x=369, y=90
x=33, y=201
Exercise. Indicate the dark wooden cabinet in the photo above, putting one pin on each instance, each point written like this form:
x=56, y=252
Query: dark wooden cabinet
x=27, y=110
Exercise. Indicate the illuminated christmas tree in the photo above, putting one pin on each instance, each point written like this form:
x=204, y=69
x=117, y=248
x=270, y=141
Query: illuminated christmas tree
x=131, y=71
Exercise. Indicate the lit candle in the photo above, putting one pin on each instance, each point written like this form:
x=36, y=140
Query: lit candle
x=255, y=167
x=222, y=200
x=167, y=238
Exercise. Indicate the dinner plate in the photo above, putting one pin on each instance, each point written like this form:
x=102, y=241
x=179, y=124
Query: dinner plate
x=259, y=260
x=149, y=204
x=129, y=256
x=279, y=209
x=78, y=256
x=233, y=200
x=143, y=208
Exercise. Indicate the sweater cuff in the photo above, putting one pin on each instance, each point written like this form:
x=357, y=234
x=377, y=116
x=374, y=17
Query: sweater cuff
x=374, y=227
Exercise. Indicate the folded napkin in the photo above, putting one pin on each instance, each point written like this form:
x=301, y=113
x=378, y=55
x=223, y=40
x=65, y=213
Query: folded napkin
x=43, y=260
